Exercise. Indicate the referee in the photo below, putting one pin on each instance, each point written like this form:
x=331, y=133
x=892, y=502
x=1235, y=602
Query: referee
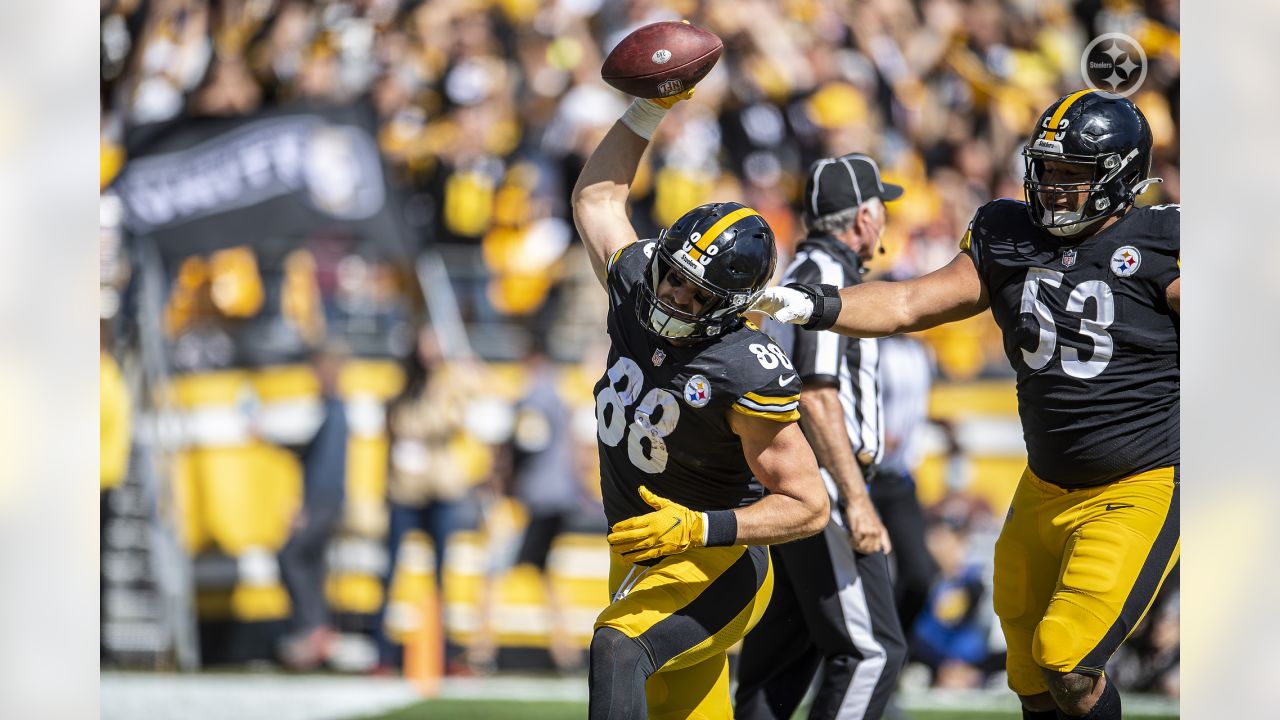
x=833, y=601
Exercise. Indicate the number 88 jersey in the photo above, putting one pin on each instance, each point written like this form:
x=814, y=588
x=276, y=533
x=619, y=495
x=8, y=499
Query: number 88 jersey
x=662, y=410
x=1088, y=330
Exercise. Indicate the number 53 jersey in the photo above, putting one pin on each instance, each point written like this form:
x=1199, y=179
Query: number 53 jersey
x=1090, y=334
x=662, y=410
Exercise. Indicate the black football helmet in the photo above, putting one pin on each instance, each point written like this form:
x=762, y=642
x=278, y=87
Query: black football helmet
x=726, y=251
x=1108, y=137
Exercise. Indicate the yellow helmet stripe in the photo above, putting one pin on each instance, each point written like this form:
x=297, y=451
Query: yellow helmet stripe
x=721, y=225
x=1062, y=110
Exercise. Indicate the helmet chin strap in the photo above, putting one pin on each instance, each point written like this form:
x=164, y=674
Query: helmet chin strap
x=669, y=327
x=1072, y=226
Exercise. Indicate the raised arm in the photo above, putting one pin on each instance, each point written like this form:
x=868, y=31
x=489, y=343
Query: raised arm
x=600, y=196
x=877, y=309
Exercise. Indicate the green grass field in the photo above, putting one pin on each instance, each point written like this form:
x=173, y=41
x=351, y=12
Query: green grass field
x=515, y=710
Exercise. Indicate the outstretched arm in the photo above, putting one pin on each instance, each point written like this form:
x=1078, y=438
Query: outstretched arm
x=877, y=309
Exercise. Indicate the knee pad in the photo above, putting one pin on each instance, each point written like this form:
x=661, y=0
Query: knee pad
x=610, y=646
x=618, y=670
x=1051, y=644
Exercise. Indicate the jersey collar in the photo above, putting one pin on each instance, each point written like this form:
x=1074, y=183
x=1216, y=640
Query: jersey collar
x=832, y=246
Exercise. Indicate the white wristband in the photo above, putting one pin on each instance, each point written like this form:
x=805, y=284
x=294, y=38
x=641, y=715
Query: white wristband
x=643, y=117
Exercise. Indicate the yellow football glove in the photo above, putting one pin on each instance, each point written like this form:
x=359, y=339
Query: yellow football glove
x=671, y=528
x=667, y=102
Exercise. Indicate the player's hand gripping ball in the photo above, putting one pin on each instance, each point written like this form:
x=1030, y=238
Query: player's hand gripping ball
x=671, y=528
x=662, y=60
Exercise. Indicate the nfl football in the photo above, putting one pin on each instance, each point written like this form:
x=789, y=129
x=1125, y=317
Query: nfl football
x=661, y=59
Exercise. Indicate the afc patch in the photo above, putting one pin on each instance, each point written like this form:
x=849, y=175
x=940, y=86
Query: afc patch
x=1125, y=261
x=697, y=392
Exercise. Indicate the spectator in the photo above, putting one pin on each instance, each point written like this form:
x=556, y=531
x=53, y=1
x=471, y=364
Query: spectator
x=302, y=559
x=433, y=464
x=546, y=482
x=950, y=634
x=939, y=90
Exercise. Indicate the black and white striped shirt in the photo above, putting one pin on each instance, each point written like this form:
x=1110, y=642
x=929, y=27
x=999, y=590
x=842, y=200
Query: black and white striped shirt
x=906, y=375
x=851, y=363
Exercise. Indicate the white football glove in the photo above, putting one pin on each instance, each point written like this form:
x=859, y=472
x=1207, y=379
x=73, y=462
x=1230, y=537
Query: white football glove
x=784, y=305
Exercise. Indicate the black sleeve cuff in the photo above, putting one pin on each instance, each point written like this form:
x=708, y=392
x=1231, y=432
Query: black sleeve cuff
x=722, y=528
x=826, y=304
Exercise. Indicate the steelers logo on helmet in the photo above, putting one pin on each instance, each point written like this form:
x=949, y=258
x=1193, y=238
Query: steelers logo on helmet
x=706, y=269
x=1087, y=159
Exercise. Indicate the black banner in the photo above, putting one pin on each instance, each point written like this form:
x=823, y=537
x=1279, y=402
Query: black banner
x=197, y=185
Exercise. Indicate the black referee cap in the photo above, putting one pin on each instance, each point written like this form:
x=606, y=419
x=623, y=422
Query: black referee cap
x=836, y=184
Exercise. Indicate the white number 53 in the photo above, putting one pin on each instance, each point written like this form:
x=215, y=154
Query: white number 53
x=1095, y=328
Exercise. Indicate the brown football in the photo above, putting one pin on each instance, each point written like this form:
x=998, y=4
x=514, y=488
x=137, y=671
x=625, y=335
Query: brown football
x=661, y=59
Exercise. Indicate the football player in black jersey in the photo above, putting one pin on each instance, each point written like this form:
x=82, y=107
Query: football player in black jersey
x=1085, y=288
x=696, y=419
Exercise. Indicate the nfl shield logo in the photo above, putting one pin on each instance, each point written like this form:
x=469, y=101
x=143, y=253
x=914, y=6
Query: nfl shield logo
x=670, y=87
x=1068, y=258
x=658, y=357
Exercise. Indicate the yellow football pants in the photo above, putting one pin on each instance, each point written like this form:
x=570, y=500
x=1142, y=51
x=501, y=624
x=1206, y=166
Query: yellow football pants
x=1076, y=570
x=688, y=610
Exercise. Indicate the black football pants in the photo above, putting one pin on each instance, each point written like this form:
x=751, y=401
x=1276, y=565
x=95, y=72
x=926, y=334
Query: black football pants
x=831, y=608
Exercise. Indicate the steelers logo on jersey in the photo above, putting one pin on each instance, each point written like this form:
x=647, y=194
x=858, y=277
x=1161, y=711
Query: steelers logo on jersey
x=697, y=392
x=1125, y=261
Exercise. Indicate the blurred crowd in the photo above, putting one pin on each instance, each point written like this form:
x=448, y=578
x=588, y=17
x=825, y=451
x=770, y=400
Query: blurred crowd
x=488, y=108
x=485, y=112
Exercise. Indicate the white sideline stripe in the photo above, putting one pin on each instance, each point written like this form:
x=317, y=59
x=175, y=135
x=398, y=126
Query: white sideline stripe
x=140, y=696
x=130, y=696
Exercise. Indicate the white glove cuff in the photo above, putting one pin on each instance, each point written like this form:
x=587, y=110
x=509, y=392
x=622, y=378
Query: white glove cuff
x=643, y=117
